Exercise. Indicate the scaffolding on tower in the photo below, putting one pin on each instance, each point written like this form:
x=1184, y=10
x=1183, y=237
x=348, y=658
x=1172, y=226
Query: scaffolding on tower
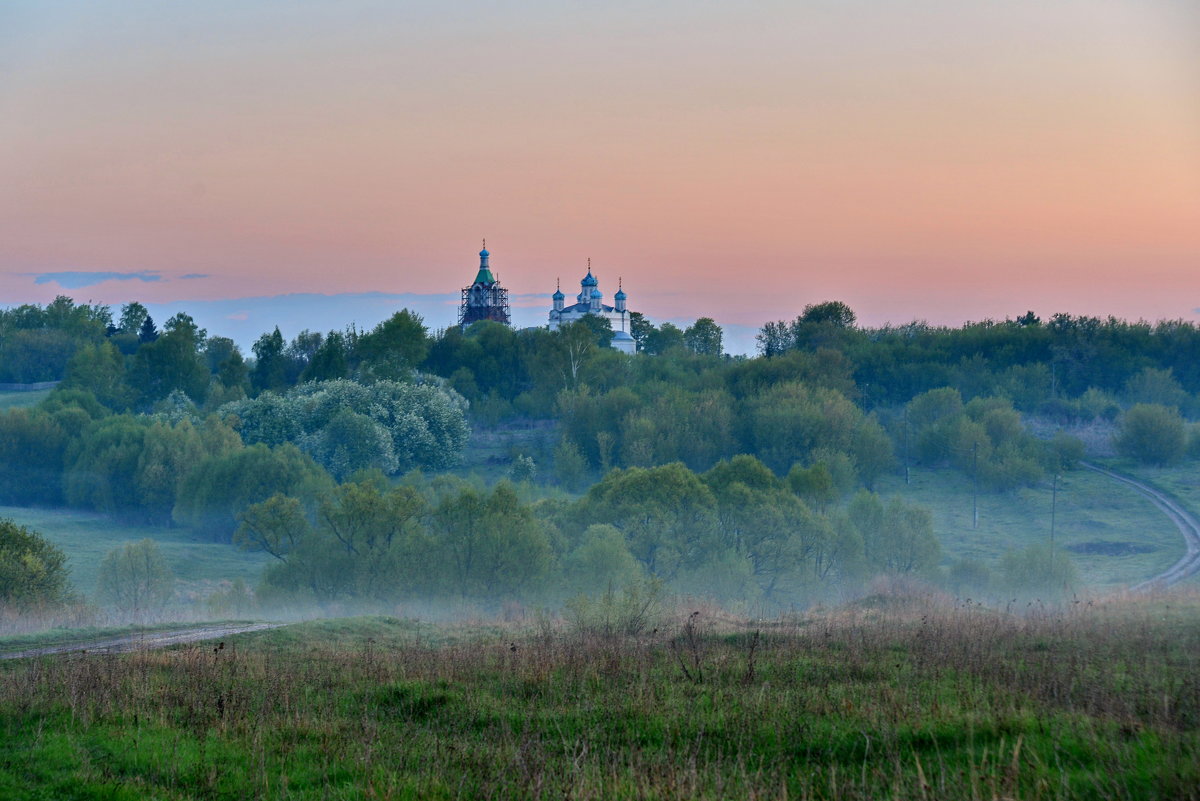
x=484, y=302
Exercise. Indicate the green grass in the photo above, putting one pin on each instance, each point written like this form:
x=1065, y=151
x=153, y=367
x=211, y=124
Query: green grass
x=1180, y=482
x=85, y=537
x=1090, y=508
x=1096, y=702
x=17, y=400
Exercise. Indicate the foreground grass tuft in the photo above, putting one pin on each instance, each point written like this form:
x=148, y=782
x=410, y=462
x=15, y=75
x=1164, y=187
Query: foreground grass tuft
x=1096, y=701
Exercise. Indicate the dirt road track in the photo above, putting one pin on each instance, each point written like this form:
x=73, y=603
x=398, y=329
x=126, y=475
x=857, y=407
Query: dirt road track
x=144, y=641
x=1187, y=524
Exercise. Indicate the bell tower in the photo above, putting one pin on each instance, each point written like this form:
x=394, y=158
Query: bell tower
x=485, y=299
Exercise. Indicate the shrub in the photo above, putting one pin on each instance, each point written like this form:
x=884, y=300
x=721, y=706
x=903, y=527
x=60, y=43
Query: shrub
x=135, y=579
x=33, y=572
x=629, y=612
x=1039, y=571
x=1151, y=434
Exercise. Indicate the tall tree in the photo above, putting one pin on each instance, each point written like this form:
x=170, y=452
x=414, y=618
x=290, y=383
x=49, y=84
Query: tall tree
x=704, y=337
x=270, y=363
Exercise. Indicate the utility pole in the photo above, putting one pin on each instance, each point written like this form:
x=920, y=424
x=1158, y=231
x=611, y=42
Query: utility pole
x=1053, y=508
x=975, y=485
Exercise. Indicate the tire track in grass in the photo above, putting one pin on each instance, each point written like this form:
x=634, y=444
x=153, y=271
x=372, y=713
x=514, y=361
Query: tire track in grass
x=1189, y=564
x=143, y=641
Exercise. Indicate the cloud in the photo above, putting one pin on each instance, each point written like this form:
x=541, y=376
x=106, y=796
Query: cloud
x=191, y=276
x=80, y=278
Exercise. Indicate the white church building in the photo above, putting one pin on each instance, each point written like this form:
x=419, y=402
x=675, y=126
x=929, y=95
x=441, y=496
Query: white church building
x=590, y=300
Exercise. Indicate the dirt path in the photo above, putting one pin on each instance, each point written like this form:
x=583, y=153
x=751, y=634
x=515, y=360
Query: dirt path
x=143, y=641
x=1188, y=526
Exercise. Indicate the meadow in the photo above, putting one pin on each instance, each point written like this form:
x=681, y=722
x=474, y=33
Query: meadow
x=10, y=399
x=890, y=697
x=1091, y=510
x=199, y=565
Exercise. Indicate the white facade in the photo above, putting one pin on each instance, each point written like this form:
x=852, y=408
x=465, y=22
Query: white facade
x=590, y=300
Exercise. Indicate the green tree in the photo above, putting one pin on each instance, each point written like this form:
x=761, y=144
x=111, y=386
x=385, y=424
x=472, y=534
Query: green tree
x=491, y=544
x=148, y=332
x=330, y=361
x=173, y=361
x=394, y=347
x=270, y=363
x=1151, y=434
x=600, y=561
x=102, y=466
x=704, y=337
x=639, y=328
x=770, y=528
x=224, y=360
x=348, y=426
x=667, y=337
x=100, y=370
x=221, y=487
x=774, y=339
x=871, y=449
x=831, y=312
x=135, y=579
x=168, y=454
x=33, y=572
x=788, y=422
x=570, y=468
x=1039, y=571
x=275, y=526
x=33, y=446
x=1155, y=386
x=814, y=485
x=897, y=537
x=350, y=442
x=379, y=532
x=667, y=514
x=133, y=316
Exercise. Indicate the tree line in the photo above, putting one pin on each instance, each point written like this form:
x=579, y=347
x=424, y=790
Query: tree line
x=678, y=465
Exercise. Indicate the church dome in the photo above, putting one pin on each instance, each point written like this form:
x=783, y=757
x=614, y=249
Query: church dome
x=620, y=295
x=483, y=254
x=596, y=293
x=589, y=279
x=622, y=336
x=558, y=295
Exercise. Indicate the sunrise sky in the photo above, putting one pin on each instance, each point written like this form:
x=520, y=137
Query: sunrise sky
x=920, y=160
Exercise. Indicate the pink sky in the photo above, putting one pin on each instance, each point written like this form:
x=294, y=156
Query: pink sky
x=935, y=160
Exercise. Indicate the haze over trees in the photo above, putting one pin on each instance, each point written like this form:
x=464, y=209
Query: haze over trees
x=750, y=479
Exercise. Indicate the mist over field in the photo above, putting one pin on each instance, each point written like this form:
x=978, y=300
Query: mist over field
x=634, y=401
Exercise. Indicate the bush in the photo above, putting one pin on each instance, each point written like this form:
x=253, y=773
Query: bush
x=232, y=600
x=1039, y=571
x=135, y=579
x=33, y=572
x=1151, y=434
x=629, y=612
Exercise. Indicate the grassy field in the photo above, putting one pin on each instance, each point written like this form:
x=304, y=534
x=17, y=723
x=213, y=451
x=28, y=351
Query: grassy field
x=885, y=699
x=1182, y=483
x=85, y=537
x=16, y=400
x=1090, y=509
